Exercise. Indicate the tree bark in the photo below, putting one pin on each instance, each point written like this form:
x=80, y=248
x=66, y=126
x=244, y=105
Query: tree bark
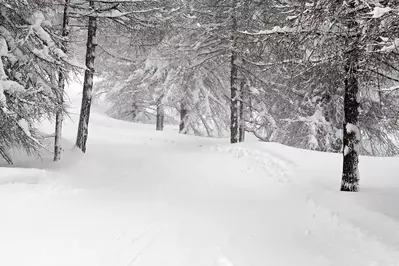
x=351, y=137
x=59, y=118
x=134, y=111
x=234, y=108
x=160, y=115
x=88, y=83
x=242, y=111
x=183, y=118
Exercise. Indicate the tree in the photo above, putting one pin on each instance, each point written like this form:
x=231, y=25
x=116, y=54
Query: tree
x=340, y=35
x=277, y=69
x=83, y=128
x=61, y=84
x=351, y=137
x=31, y=59
x=242, y=118
x=197, y=44
x=174, y=71
x=234, y=80
x=109, y=10
x=227, y=21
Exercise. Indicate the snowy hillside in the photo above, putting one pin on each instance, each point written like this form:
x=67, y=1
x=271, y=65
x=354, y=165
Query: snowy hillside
x=146, y=198
x=130, y=133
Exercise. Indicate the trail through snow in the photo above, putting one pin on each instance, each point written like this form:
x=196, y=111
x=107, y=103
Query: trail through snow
x=146, y=198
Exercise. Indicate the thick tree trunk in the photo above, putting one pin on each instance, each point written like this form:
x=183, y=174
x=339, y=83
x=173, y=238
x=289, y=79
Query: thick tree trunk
x=183, y=118
x=351, y=137
x=242, y=112
x=88, y=83
x=160, y=115
x=59, y=118
x=234, y=103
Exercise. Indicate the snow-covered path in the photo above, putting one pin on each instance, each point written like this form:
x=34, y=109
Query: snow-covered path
x=146, y=198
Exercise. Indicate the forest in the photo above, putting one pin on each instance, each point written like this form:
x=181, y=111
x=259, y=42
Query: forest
x=319, y=75
x=199, y=132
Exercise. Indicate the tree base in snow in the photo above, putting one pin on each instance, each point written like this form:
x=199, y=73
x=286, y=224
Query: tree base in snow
x=350, y=186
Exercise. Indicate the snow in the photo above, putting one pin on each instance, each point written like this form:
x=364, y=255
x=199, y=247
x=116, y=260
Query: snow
x=254, y=90
x=351, y=128
x=3, y=99
x=313, y=144
x=346, y=150
x=5, y=85
x=391, y=47
x=146, y=198
x=274, y=30
x=38, y=19
x=3, y=52
x=380, y=11
x=16, y=52
x=389, y=89
x=23, y=124
x=114, y=13
x=3, y=46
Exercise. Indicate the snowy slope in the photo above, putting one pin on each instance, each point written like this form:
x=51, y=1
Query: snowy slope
x=146, y=198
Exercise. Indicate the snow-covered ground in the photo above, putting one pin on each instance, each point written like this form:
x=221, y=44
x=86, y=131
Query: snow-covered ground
x=146, y=198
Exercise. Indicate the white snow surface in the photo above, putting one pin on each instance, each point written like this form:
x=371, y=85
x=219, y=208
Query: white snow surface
x=390, y=46
x=24, y=125
x=146, y=198
x=351, y=128
x=380, y=11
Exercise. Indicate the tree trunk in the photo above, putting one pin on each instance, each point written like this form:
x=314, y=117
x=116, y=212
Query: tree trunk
x=242, y=111
x=183, y=118
x=88, y=83
x=134, y=112
x=160, y=115
x=234, y=108
x=351, y=137
x=61, y=87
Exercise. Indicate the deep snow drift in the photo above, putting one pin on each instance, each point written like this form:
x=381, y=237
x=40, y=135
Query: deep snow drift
x=146, y=198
